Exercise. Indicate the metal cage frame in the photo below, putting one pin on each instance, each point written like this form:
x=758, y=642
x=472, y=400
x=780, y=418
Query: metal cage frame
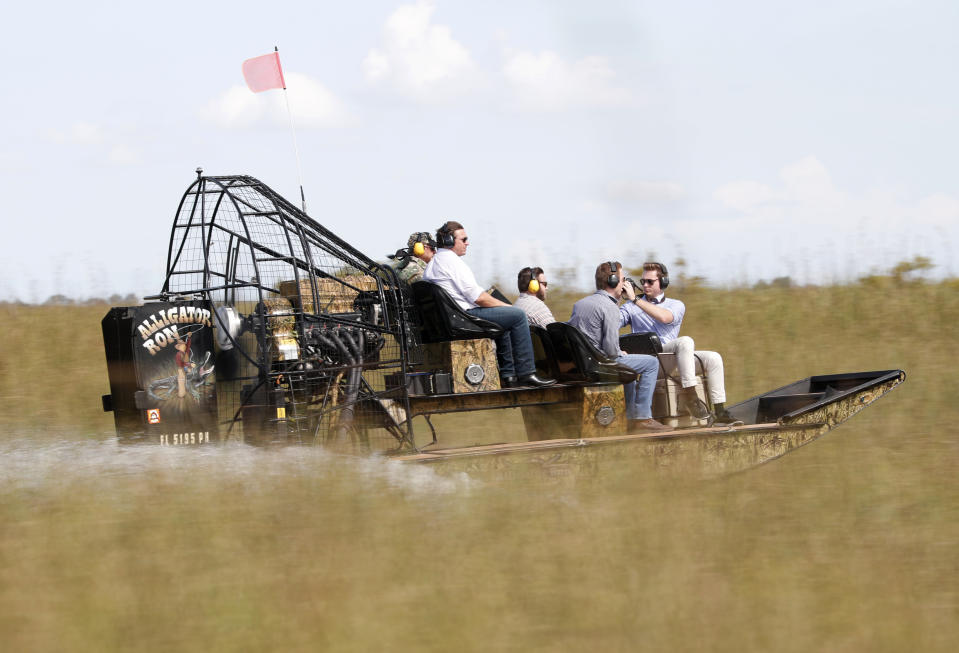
x=325, y=331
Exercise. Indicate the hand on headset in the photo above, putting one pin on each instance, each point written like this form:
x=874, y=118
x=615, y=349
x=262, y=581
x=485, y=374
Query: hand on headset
x=629, y=287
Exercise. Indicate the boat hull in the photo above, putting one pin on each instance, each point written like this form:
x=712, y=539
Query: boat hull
x=704, y=451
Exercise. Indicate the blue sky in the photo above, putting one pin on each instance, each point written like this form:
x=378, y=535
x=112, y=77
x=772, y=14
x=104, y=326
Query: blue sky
x=754, y=139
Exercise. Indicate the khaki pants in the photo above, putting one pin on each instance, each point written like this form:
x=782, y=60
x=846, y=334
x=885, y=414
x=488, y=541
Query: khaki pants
x=712, y=362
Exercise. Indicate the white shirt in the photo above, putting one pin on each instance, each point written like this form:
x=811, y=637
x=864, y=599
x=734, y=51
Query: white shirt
x=639, y=321
x=449, y=272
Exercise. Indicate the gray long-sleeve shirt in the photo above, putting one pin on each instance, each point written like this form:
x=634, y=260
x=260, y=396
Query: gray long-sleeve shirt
x=597, y=316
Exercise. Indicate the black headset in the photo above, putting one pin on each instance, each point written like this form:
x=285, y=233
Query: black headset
x=663, y=275
x=613, y=279
x=444, y=237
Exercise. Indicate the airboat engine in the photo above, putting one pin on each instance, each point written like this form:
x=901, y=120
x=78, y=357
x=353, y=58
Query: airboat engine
x=302, y=330
x=228, y=325
x=160, y=363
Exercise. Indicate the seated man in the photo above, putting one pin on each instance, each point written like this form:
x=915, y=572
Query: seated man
x=410, y=263
x=656, y=313
x=514, y=347
x=532, y=285
x=597, y=316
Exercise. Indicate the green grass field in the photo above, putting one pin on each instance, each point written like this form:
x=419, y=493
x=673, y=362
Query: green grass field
x=52, y=369
x=849, y=544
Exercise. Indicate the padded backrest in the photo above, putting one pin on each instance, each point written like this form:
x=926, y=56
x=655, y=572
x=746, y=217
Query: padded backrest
x=443, y=320
x=641, y=343
x=544, y=354
x=579, y=360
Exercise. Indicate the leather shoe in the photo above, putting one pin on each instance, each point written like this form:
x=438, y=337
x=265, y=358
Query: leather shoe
x=507, y=381
x=723, y=418
x=645, y=425
x=535, y=381
x=690, y=403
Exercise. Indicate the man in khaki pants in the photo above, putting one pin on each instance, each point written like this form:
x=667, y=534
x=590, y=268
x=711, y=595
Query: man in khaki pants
x=654, y=312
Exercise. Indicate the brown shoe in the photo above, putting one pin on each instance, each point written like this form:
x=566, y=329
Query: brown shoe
x=645, y=425
x=690, y=403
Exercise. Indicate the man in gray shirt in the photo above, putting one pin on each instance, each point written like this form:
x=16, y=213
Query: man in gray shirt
x=597, y=316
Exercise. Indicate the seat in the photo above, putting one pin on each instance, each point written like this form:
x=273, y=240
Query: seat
x=577, y=359
x=443, y=320
x=641, y=343
x=544, y=354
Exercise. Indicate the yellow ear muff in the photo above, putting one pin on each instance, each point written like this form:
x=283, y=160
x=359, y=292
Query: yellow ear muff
x=418, y=249
x=533, y=285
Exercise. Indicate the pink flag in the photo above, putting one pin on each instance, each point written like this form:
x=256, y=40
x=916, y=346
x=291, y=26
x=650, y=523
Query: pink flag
x=264, y=72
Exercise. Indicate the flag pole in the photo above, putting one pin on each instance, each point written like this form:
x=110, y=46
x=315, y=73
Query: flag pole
x=296, y=149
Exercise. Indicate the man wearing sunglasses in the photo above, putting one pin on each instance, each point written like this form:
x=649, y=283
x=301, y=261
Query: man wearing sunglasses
x=514, y=347
x=532, y=286
x=597, y=317
x=654, y=312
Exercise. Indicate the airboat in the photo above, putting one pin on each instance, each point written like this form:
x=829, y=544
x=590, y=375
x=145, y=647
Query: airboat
x=269, y=329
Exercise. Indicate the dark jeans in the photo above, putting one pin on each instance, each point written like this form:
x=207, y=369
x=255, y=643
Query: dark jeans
x=514, y=347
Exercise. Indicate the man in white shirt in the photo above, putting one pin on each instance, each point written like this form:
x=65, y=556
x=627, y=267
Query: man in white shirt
x=532, y=286
x=514, y=347
x=654, y=312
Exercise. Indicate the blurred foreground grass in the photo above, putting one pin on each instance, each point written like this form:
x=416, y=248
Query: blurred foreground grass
x=849, y=544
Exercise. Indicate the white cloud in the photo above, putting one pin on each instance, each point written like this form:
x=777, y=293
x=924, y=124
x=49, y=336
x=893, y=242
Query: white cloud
x=805, y=182
x=236, y=107
x=807, y=179
x=545, y=81
x=102, y=142
x=11, y=161
x=123, y=154
x=644, y=192
x=822, y=231
x=79, y=133
x=939, y=210
x=312, y=105
x=744, y=195
x=420, y=59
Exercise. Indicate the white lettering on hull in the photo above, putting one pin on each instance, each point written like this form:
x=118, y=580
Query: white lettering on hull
x=177, y=439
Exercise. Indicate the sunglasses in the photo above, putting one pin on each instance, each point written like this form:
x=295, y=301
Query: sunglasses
x=464, y=238
x=648, y=282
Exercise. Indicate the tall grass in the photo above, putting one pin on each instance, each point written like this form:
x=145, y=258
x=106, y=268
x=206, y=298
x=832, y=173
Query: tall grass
x=849, y=544
x=53, y=369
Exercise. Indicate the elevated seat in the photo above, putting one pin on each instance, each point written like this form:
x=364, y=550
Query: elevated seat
x=443, y=320
x=544, y=354
x=641, y=343
x=650, y=344
x=666, y=408
x=577, y=359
